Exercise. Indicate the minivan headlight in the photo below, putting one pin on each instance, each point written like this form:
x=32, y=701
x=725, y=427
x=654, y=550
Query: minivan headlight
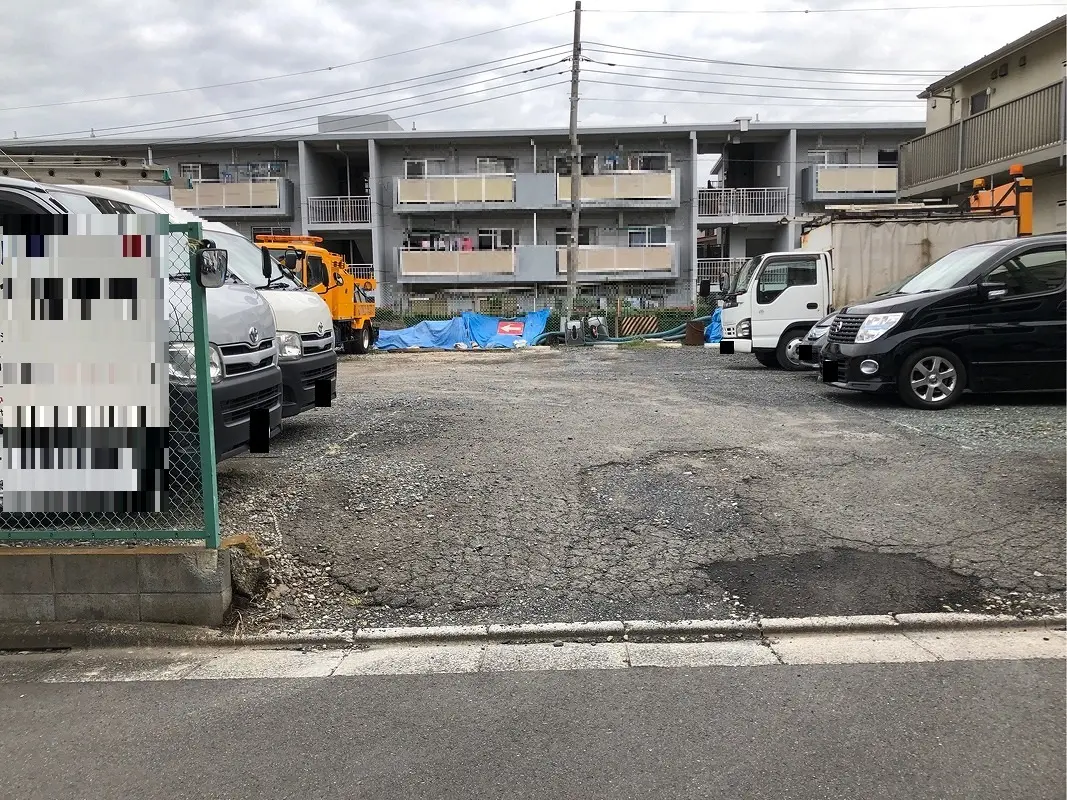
x=290, y=346
x=875, y=326
x=181, y=363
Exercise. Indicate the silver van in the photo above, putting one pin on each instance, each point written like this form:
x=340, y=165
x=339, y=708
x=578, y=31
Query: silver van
x=244, y=357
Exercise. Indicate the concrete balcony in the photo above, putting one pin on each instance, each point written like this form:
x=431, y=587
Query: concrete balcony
x=623, y=187
x=738, y=205
x=338, y=212
x=1028, y=130
x=454, y=265
x=607, y=260
x=438, y=191
x=829, y=183
x=260, y=198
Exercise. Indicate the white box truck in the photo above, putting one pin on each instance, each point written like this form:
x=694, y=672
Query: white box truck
x=776, y=298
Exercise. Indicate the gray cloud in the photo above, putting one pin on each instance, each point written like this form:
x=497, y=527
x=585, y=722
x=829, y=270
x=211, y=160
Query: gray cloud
x=55, y=51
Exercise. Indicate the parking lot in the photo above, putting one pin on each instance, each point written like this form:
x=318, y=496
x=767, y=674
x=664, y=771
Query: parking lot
x=644, y=482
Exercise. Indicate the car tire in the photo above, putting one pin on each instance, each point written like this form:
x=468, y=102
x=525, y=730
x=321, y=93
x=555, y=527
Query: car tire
x=363, y=340
x=786, y=352
x=769, y=360
x=931, y=379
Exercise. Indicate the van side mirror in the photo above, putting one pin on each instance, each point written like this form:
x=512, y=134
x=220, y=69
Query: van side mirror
x=268, y=267
x=211, y=264
x=991, y=290
x=290, y=259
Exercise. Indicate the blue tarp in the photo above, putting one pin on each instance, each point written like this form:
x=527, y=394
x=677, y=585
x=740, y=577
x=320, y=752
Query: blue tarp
x=713, y=333
x=467, y=330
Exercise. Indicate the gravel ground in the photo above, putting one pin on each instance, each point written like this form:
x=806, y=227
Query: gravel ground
x=644, y=483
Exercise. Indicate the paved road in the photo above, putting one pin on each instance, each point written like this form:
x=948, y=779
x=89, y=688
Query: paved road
x=975, y=730
x=469, y=488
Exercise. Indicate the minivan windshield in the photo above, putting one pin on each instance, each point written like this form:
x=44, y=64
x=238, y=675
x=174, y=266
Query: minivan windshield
x=245, y=261
x=950, y=269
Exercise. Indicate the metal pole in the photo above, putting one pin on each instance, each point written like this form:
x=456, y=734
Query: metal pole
x=576, y=162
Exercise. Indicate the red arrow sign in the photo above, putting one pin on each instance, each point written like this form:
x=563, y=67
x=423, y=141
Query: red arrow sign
x=509, y=328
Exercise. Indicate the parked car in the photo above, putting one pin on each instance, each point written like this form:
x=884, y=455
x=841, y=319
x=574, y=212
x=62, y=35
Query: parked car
x=810, y=347
x=989, y=317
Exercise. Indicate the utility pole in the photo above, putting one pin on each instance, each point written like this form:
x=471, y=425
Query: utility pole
x=576, y=163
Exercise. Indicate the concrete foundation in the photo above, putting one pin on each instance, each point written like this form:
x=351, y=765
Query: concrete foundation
x=182, y=585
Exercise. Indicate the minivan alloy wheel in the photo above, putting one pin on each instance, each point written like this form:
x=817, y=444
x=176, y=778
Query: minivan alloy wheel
x=933, y=379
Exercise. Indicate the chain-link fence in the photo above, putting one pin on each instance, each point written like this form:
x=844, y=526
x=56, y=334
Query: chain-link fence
x=167, y=461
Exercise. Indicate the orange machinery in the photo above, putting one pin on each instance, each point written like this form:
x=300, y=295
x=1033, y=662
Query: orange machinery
x=351, y=305
x=1015, y=198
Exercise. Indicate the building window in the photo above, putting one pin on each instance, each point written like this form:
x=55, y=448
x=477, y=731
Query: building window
x=651, y=162
x=422, y=167
x=586, y=236
x=254, y=171
x=275, y=231
x=589, y=164
x=490, y=165
x=828, y=157
x=648, y=236
x=496, y=238
x=979, y=102
x=199, y=172
x=887, y=158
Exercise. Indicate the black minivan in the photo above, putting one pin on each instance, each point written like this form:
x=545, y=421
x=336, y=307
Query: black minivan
x=990, y=317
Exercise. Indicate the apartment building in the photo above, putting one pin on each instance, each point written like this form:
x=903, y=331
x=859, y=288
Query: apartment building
x=1005, y=108
x=448, y=221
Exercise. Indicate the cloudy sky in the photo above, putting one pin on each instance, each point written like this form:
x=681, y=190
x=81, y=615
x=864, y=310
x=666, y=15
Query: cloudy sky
x=163, y=68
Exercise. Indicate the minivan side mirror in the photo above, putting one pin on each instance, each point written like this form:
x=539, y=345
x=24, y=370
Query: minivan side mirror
x=991, y=290
x=268, y=267
x=211, y=264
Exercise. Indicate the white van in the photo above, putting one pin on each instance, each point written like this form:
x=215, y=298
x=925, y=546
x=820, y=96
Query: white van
x=306, y=351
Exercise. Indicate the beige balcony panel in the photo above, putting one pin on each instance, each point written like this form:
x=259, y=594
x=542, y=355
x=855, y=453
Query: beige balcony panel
x=259, y=194
x=620, y=259
x=457, y=189
x=411, y=190
x=499, y=189
x=457, y=262
x=440, y=191
x=856, y=179
x=620, y=186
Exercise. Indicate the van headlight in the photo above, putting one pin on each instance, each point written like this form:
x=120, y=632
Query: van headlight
x=875, y=326
x=744, y=329
x=290, y=346
x=181, y=363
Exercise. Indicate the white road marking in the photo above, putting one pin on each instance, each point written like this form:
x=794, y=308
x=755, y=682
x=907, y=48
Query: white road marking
x=859, y=647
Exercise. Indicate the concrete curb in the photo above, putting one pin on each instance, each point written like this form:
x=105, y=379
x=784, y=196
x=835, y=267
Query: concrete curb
x=92, y=635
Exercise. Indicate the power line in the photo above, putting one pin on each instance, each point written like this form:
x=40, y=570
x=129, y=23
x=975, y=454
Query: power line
x=281, y=127
x=750, y=95
x=288, y=74
x=827, y=83
x=352, y=94
x=735, y=103
x=747, y=11
x=736, y=83
x=696, y=59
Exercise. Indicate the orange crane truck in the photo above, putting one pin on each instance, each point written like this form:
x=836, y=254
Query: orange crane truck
x=348, y=296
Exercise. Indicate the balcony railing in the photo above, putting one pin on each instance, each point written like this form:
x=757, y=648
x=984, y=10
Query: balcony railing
x=600, y=258
x=620, y=185
x=455, y=263
x=762, y=202
x=360, y=271
x=1027, y=124
x=854, y=179
x=344, y=210
x=256, y=193
x=451, y=189
x=713, y=269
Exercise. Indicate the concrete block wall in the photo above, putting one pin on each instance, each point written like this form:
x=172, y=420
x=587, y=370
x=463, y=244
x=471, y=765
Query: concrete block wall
x=182, y=585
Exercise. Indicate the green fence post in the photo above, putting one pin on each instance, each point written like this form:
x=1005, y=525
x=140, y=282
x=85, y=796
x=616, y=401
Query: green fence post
x=205, y=416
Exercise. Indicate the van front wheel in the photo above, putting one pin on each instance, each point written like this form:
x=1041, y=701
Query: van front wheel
x=932, y=379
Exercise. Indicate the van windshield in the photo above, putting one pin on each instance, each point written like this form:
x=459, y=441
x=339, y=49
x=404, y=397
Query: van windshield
x=246, y=262
x=950, y=269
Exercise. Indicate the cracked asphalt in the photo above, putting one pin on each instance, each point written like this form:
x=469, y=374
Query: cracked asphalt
x=646, y=482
